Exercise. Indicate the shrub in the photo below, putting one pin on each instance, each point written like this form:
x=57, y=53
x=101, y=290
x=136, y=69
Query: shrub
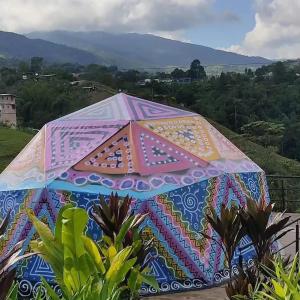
x=7, y=264
x=82, y=268
x=255, y=221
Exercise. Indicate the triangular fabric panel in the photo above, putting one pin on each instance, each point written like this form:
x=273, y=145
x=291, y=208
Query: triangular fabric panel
x=226, y=149
x=125, y=107
x=69, y=142
x=112, y=157
x=157, y=155
x=189, y=133
x=112, y=108
x=141, y=109
x=28, y=168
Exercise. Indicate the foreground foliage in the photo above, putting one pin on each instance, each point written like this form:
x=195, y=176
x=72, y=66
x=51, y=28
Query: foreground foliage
x=261, y=228
x=83, y=269
x=256, y=222
x=111, y=217
x=284, y=283
x=8, y=262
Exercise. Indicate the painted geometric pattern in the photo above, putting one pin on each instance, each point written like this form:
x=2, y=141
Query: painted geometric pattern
x=182, y=258
x=112, y=157
x=227, y=149
x=112, y=108
x=140, y=109
x=152, y=184
x=189, y=133
x=125, y=107
x=68, y=142
x=156, y=154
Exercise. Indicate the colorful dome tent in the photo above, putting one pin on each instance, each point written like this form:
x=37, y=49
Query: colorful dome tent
x=173, y=163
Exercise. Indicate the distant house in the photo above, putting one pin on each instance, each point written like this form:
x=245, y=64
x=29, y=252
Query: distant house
x=184, y=80
x=141, y=83
x=78, y=82
x=46, y=76
x=268, y=75
x=8, y=114
x=91, y=88
x=146, y=81
x=167, y=81
x=77, y=75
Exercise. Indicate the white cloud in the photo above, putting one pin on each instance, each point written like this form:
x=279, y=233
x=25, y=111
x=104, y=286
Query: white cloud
x=276, y=33
x=120, y=15
x=168, y=17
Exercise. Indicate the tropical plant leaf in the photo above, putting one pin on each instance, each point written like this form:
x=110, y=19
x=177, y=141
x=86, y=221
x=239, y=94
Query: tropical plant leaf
x=6, y=283
x=149, y=279
x=12, y=292
x=93, y=250
x=51, y=293
x=4, y=224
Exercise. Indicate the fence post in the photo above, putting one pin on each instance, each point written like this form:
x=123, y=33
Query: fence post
x=282, y=195
x=297, y=244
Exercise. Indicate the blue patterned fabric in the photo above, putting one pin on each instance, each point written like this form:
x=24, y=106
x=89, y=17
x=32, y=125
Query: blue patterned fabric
x=181, y=257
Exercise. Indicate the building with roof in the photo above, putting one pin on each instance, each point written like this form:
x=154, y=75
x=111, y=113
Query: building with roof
x=8, y=114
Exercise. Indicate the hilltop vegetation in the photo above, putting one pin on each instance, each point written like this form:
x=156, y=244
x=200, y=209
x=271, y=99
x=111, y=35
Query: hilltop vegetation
x=270, y=161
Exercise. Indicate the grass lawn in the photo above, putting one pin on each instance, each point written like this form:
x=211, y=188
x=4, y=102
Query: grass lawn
x=12, y=142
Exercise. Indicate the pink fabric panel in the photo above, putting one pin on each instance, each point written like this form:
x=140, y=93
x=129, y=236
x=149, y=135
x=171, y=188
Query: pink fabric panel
x=67, y=142
x=154, y=154
x=140, y=109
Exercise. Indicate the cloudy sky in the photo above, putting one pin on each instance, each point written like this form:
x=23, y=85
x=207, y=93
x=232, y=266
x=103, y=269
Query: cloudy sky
x=269, y=28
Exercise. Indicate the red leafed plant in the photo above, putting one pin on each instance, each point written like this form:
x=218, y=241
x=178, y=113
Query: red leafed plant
x=8, y=261
x=112, y=215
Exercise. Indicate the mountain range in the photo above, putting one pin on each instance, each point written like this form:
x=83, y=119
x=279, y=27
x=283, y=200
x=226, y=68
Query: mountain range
x=18, y=46
x=126, y=50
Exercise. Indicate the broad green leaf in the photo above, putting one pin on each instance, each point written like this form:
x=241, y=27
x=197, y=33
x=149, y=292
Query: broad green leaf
x=51, y=293
x=112, y=252
x=76, y=258
x=73, y=225
x=51, y=258
x=116, y=294
x=117, y=262
x=267, y=296
x=132, y=280
x=58, y=224
x=149, y=279
x=51, y=249
x=124, y=229
x=93, y=250
x=107, y=240
x=119, y=275
x=279, y=290
x=13, y=292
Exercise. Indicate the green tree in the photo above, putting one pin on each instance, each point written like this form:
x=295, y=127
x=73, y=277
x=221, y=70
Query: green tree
x=196, y=71
x=178, y=73
x=291, y=141
x=265, y=133
x=36, y=64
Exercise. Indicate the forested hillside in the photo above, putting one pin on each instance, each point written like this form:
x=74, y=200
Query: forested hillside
x=262, y=106
x=148, y=50
x=17, y=46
